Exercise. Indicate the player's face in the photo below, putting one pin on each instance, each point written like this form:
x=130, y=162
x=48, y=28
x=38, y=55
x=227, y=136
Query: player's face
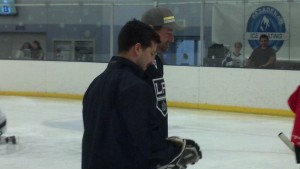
x=166, y=37
x=237, y=48
x=263, y=42
x=34, y=45
x=147, y=56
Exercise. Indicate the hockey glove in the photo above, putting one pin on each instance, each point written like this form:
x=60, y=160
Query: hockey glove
x=296, y=140
x=190, y=154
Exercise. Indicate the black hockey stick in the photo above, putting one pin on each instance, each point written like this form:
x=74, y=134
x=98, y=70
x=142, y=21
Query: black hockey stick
x=286, y=141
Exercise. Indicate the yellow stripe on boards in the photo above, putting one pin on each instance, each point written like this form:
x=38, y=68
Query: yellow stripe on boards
x=237, y=109
x=247, y=110
x=41, y=94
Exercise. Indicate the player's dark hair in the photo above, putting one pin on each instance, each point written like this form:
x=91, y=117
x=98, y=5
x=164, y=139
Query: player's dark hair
x=264, y=36
x=134, y=32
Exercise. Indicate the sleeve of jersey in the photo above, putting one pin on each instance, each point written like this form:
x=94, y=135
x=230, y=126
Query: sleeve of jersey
x=155, y=71
x=292, y=101
x=138, y=110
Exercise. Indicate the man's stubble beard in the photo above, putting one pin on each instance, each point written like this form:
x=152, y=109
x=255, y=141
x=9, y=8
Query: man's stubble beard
x=162, y=48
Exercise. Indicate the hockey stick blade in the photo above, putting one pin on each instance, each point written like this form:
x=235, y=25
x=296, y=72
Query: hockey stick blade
x=286, y=141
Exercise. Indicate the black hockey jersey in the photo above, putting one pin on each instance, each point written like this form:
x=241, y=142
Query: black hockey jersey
x=154, y=77
x=121, y=128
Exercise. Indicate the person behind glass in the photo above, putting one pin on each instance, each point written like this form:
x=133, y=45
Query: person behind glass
x=235, y=59
x=294, y=104
x=163, y=22
x=121, y=129
x=263, y=56
x=24, y=52
x=37, y=51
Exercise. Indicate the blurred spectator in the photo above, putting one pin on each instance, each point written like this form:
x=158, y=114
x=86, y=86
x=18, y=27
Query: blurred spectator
x=37, y=51
x=236, y=58
x=263, y=56
x=24, y=52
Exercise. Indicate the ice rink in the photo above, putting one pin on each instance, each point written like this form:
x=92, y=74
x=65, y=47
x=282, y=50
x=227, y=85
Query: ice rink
x=50, y=132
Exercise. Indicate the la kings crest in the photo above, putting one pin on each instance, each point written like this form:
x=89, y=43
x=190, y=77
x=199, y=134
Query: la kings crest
x=160, y=93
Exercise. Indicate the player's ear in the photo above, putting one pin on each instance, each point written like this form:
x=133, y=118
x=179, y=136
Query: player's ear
x=138, y=49
x=151, y=26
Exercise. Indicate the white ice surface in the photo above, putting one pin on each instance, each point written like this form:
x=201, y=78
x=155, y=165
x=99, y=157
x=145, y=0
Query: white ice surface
x=50, y=133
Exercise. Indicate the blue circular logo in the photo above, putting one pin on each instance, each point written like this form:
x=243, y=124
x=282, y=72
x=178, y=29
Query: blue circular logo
x=266, y=20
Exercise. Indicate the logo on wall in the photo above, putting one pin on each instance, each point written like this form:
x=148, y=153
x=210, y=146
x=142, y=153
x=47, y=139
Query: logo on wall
x=266, y=20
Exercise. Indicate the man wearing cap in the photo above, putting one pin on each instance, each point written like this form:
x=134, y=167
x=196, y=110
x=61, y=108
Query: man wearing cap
x=163, y=22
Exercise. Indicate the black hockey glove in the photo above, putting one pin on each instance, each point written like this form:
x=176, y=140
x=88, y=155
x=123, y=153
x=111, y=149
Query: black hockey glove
x=190, y=154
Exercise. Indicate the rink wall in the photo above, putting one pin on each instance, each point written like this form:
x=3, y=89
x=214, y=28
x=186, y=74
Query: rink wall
x=257, y=91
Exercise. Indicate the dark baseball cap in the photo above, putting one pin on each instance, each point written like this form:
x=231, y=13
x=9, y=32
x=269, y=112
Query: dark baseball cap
x=160, y=16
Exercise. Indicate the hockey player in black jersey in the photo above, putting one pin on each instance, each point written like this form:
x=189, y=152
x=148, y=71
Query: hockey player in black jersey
x=163, y=22
x=121, y=128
